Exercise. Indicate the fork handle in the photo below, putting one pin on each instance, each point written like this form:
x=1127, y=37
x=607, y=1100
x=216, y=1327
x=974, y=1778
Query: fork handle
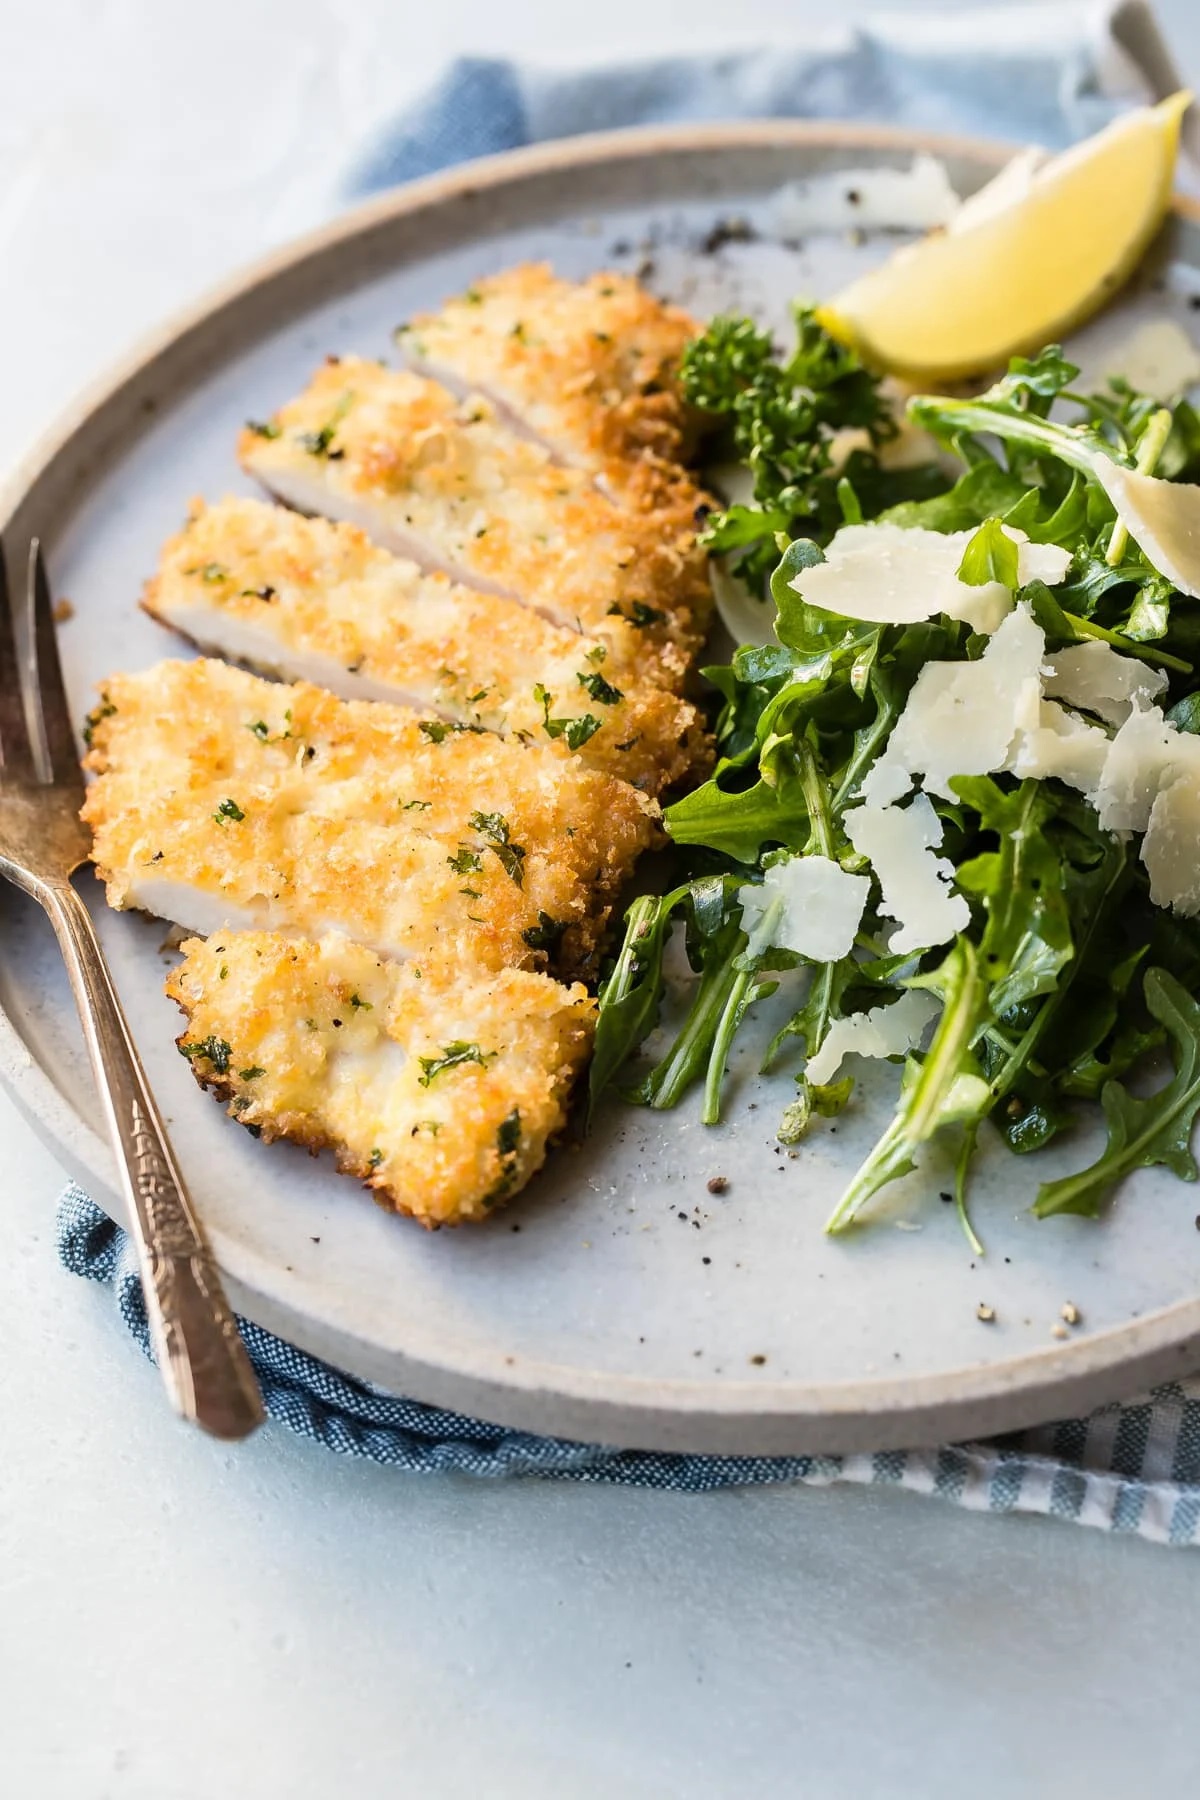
x=194, y=1333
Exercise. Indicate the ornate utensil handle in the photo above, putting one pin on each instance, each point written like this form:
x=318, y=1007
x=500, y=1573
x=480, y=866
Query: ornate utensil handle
x=195, y=1336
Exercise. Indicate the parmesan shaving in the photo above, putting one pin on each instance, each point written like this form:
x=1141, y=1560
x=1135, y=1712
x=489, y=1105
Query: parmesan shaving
x=1169, y=846
x=899, y=844
x=1162, y=518
x=915, y=199
x=1099, y=679
x=806, y=903
x=1009, y=188
x=1158, y=359
x=1056, y=742
x=1139, y=761
x=962, y=717
x=884, y=1031
x=893, y=575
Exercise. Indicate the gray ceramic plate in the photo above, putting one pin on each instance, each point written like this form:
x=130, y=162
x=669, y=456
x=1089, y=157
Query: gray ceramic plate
x=618, y=1300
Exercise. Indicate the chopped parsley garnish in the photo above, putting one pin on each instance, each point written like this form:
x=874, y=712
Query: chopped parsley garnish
x=360, y=1005
x=261, y=730
x=319, y=443
x=508, y=1136
x=252, y=1073
x=453, y=1056
x=415, y=805
x=599, y=689
x=262, y=428
x=229, y=809
x=375, y=1158
x=465, y=860
x=576, y=731
x=547, y=934
x=511, y=857
x=639, y=614
x=508, y=1142
x=105, y=710
x=436, y=730
x=210, y=1049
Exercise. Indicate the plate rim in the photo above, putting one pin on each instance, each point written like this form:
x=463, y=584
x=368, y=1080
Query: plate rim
x=748, y=1417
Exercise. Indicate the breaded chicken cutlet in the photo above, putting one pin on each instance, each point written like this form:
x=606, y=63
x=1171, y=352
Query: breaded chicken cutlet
x=439, y=1089
x=225, y=800
x=441, y=481
x=504, y=537
x=307, y=599
x=589, y=369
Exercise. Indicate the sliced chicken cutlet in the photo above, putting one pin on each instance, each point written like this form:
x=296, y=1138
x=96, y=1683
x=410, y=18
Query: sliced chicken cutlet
x=587, y=368
x=439, y=1087
x=305, y=598
x=440, y=480
x=223, y=799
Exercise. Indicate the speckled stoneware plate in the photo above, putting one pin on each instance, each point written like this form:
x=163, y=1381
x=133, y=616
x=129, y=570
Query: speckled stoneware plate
x=618, y=1299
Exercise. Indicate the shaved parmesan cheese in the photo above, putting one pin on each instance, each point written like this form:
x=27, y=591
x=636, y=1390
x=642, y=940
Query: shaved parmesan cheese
x=915, y=199
x=1006, y=189
x=1139, y=761
x=1056, y=742
x=808, y=904
x=899, y=844
x=1158, y=359
x=961, y=717
x=1169, y=848
x=1099, y=679
x=884, y=1031
x=747, y=617
x=891, y=575
x=908, y=449
x=1162, y=518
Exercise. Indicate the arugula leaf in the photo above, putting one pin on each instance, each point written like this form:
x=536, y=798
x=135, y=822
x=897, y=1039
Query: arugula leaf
x=946, y=1088
x=630, y=998
x=1142, y=1132
x=991, y=555
x=984, y=491
x=1027, y=939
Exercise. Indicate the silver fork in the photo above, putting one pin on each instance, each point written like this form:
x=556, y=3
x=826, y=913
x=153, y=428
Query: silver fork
x=42, y=842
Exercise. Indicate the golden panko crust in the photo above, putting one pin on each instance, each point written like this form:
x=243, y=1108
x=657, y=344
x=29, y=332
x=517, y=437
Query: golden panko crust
x=439, y=1088
x=441, y=480
x=304, y=597
x=589, y=367
x=223, y=798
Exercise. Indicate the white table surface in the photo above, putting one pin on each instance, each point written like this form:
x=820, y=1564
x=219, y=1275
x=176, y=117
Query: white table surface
x=179, y=1620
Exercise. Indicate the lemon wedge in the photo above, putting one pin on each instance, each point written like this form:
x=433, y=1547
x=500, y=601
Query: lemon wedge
x=1021, y=274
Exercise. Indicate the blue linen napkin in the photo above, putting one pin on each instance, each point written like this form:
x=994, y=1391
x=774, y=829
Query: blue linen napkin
x=1044, y=73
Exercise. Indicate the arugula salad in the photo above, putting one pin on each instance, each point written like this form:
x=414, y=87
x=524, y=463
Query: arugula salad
x=956, y=806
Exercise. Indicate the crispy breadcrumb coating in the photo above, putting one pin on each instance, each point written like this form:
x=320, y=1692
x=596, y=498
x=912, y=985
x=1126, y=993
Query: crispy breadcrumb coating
x=306, y=598
x=223, y=799
x=439, y=1088
x=440, y=480
x=588, y=368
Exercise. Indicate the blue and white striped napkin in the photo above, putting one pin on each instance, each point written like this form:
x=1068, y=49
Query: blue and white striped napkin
x=1042, y=73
